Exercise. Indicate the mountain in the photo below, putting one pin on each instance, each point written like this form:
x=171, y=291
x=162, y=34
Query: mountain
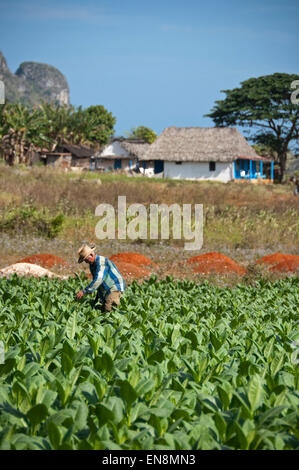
x=33, y=83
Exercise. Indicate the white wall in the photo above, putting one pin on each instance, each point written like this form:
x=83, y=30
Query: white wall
x=114, y=149
x=109, y=163
x=198, y=170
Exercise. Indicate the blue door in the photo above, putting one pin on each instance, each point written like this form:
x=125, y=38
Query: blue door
x=242, y=167
x=158, y=166
x=117, y=164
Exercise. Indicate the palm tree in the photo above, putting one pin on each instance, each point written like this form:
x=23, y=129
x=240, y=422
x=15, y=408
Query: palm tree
x=21, y=129
x=57, y=119
x=15, y=126
x=50, y=127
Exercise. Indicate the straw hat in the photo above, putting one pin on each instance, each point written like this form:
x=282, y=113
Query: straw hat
x=85, y=251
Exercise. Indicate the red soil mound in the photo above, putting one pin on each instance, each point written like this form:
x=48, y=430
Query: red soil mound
x=132, y=271
x=45, y=260
x=132, y=258
x=215, y=262
x=281, y=262
x=289, y=265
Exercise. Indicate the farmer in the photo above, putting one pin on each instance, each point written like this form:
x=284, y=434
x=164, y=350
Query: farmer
x=107, y=280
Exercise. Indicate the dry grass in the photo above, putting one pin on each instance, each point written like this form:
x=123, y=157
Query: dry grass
x=76, y=194
x=244, y=221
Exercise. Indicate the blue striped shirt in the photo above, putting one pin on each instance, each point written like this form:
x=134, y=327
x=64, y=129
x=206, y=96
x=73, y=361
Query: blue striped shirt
x=106, y=277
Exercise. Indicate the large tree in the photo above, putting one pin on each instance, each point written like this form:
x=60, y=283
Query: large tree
x=103, y=124
x=264, y=106
x=143, y=133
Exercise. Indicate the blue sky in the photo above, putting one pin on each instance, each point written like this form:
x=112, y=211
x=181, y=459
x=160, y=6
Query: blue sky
x=159, y=63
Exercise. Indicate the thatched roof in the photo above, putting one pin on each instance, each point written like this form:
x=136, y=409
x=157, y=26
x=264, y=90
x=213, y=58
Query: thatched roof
x=201, y=144
x=135, y=148
x=79, y=150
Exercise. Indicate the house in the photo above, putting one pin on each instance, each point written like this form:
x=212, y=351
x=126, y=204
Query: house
x=70, y=155
x=199, y=153
x=121, y=154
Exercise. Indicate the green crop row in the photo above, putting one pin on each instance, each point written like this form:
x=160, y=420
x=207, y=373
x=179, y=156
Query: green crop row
x=178, y=365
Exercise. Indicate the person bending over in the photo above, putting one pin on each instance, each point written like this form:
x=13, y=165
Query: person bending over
x=106, y=279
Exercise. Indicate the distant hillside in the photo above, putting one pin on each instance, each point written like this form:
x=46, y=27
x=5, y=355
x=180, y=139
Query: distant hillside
x=33, y=83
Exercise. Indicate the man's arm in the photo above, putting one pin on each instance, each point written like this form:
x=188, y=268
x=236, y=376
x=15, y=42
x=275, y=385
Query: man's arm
x=98, y=278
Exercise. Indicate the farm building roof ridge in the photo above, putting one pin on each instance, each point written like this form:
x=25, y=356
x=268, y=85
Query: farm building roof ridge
x=204, y=144
x=136, y=148
x=79, y=150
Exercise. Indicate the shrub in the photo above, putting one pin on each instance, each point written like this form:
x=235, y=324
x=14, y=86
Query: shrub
x=29, y=219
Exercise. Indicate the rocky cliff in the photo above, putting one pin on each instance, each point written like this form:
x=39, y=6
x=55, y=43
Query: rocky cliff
x=33, y=83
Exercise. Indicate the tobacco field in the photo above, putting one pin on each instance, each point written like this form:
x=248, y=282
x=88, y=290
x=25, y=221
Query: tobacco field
x=179, y=365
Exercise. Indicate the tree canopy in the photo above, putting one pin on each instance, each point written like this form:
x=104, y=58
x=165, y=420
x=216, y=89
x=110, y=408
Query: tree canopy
x=48, y=126
x=143, y=133
x=264, y=106
x=103, y=123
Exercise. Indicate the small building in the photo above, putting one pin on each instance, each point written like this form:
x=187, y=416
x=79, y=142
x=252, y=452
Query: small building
x=70, y=155
x=121, y=154
x=199, y=153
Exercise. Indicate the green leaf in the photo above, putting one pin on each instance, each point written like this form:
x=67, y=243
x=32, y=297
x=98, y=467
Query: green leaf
x=269, y=348
x=216, y=342
x=68, y=349
x=7, y=367
x=66, y=440
x=225, y=397
x=269, y=414
x=127, y=393
x=71, y=326
x=80, y=420
x=45, y=396
x=37, y=414
x=117, y=407
x=94, y=341
x=255, y=392
x=175, y=334
x=61, y=417
x=66, y=363
x=103, y=363
x=241, y=437
x=111, y=445
x=244, y=406
x=276, y=363
x=20, y=390
x=163, y=410
x=104, y=414
x=157, y=356
x=54, y=434
x=221, y=425
x=144, y=386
